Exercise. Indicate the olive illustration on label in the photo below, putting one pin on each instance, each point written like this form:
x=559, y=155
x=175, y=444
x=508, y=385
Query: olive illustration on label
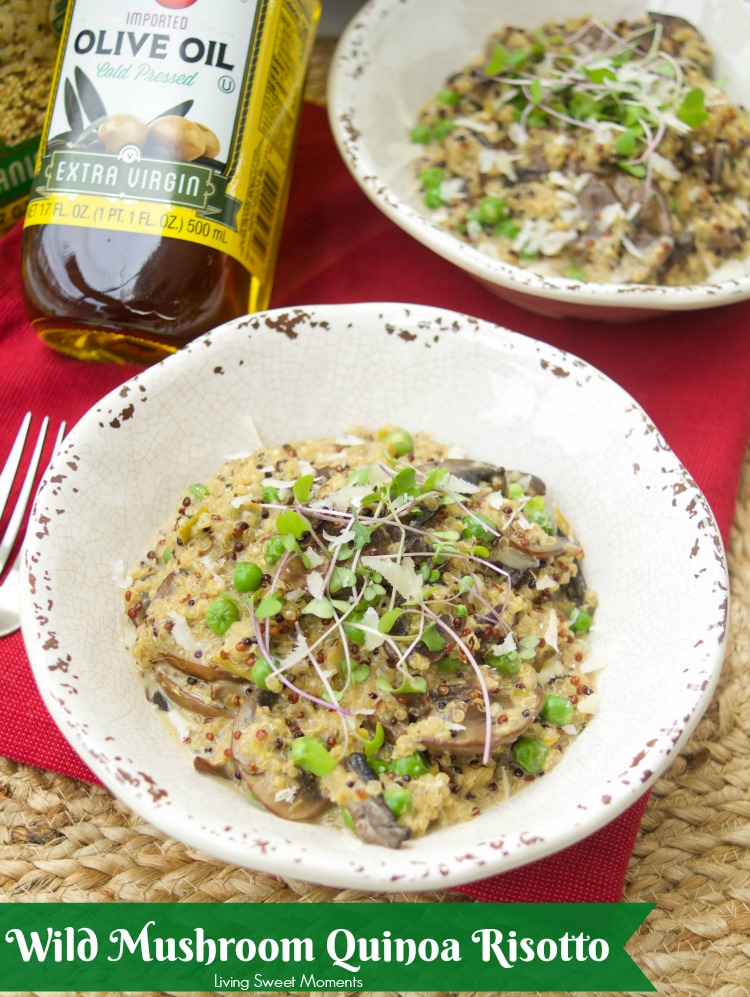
x=171, y=135
x=118, y=130
x=175, y=137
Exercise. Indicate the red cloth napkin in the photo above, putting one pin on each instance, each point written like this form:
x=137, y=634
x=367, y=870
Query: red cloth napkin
x=690, y=372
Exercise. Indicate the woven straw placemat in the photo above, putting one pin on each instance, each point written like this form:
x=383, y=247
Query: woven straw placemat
x=63, y=840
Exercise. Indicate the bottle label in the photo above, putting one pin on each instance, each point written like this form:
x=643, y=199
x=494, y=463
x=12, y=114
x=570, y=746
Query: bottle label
x=176, y=118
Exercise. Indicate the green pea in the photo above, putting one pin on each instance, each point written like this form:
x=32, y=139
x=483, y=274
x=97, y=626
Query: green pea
x=421, y=134
x=557, y=710
x=506, y=664
x=433, y=198
x=447, y=97
x=246, y=577
x=310, y=755
x=260, y=672
x=378, y=765
x=530, y=754
x=398, y=443
x=580, y=621
x=273, y=550
x=399, y=800
x=221, y=614
x=481, y=527
x=535, y=504
x=542, y=519
x=492, y=210
x=413, y=765
x=507, y=228
x=443, y=127
x=198, y=492
x=432, y=176
x=514, y=491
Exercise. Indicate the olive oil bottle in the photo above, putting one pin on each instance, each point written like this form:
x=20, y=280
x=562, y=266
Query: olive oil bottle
x=163, y=171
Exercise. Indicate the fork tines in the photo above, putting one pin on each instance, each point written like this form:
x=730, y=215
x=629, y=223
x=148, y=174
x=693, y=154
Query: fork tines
x=8, y=477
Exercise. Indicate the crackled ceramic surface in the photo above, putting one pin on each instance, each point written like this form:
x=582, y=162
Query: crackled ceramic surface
x=653, y=554
x=396, y=54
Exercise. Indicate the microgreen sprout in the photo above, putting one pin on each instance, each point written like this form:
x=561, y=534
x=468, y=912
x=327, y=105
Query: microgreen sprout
x=593, y=77
x=425, y=576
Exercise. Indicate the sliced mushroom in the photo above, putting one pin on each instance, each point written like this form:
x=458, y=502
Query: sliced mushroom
x=654, y=219
x=373, y=820
x=190, y=666
x=300, y=798
x=670, y=25
x=187, y=698
x=562, y=547
x=166, y=587
x=520, y=697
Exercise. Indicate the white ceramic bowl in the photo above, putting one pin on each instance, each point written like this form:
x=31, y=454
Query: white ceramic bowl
x=653, y=554
x=396, y=54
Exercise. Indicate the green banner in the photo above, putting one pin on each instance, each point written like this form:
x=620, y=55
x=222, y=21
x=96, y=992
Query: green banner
x=187, y=185
x=304, y=947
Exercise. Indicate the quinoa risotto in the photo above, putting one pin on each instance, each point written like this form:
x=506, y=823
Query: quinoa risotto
x=369, y=628
x=590, y=151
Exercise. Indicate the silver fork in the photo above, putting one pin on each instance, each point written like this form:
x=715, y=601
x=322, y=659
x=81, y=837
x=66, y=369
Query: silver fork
x=9, y=605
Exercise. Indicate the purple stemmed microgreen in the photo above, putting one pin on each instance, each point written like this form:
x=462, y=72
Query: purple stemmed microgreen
x=460, y=643
x=587, y=84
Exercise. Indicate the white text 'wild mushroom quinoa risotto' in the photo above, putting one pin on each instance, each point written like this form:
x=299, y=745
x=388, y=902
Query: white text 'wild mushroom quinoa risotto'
x=369, y=625
x=594, y=152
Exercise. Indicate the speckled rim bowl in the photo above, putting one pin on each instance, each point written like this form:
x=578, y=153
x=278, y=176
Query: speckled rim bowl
x=653, y=554
x=396, y=54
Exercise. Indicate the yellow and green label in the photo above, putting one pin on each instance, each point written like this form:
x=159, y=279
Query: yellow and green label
x=175, y=119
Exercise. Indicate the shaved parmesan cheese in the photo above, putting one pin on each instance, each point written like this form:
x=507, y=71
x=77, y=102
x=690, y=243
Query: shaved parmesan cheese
x=282, y=486
x=454, y=484
x=298, y=653
x=119, y=576
x=286, y=795
x=497, y=161
x=601, y=657
x=546, y=582
x=402, y=577
x=316, y=585
x=551, y=669
x=453, y=189
x=314, y=557
x=569, y=729
x=496, y=500
x=339, y=538
x=182, y=633
x=550, y=634
x=664, y=167
x=474, y=125
x=239, y=500
x=589, y=704
x=252, y=436
x=373, y=637
x=343, y=498
x=517, y=133
x=610, y=214
x=508, y=645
